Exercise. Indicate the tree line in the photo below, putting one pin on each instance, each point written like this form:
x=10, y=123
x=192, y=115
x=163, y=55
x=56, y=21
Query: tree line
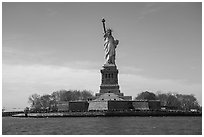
x=48, y=102
x=170, y=101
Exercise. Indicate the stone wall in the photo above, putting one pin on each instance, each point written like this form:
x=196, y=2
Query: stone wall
x=140, y=105
x=98, y=105
x=120, y=105
x=108, y=96
x=78, y=106
x=126, y=97
x=154, y=104
x=63, y=106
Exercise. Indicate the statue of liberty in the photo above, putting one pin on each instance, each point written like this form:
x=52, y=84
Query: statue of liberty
x=109, y=46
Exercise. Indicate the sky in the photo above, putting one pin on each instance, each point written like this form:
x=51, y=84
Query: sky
x=48, y=47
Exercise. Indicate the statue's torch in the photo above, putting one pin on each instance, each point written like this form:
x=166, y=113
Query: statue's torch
x=104, y=27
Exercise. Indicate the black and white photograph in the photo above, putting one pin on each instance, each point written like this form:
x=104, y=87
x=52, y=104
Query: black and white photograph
x=101, y=68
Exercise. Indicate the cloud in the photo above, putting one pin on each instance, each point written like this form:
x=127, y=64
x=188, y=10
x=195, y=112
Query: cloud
x=15, y=56
x=51, y=12
x=129, y=70
x=20, y=81
x=149, y=8
x=55, y=76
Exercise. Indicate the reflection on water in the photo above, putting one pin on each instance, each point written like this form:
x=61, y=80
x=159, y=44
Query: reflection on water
x=103, y=125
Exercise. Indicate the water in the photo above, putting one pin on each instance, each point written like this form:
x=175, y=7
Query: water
x=103, y=126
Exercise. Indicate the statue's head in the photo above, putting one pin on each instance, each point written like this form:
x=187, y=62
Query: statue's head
x=109, y=31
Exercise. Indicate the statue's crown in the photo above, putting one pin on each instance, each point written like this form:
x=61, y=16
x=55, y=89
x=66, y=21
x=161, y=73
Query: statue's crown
x=109, y=30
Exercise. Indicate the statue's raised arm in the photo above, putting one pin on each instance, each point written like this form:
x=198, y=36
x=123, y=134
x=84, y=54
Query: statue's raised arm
x=104, y=27
x=109, y=46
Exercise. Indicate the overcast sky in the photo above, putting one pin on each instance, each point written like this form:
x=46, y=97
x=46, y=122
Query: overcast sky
x=53, y=46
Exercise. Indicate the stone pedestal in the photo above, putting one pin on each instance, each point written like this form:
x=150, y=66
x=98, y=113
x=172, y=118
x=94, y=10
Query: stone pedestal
x=109, y=80
x=109, y=84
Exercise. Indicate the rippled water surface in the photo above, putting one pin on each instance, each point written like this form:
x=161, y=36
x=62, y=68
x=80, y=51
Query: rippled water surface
x=103, y=125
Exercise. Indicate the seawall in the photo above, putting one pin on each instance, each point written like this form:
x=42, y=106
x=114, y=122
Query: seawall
x=110, y=114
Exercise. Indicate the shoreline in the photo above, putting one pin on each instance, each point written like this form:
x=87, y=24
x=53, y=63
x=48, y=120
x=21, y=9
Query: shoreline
x=110, y=114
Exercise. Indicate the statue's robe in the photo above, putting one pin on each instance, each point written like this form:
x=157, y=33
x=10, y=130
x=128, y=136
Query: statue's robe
x=109, y=47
